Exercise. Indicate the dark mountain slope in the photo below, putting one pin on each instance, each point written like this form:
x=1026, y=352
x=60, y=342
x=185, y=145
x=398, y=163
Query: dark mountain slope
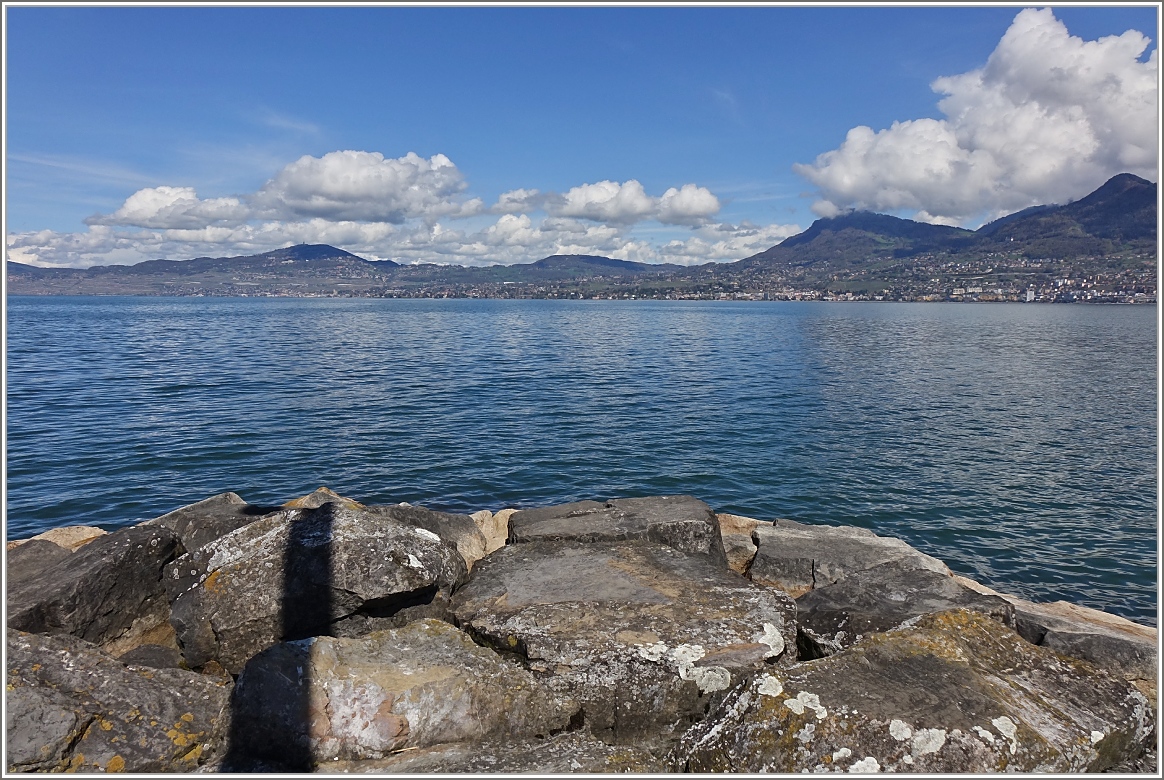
x=1118, y=216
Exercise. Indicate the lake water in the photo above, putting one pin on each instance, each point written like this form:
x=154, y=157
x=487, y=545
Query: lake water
x=1015, y=442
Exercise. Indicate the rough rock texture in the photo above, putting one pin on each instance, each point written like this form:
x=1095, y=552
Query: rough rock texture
x=109, y=592
x=494, y=526
x=71, y=537
x=154, y=656
x=320, y=497
x=31, y=558
x=834, y=617
x=568, y=753
x=458, y=530
x=200, y=523
x=682, y=522
x=295, y=573
x=363, y=698
x=796, y=558
x=71, y=707
x=645, y=636
x=736, y=532
x=955, y=692
x=1114, y=643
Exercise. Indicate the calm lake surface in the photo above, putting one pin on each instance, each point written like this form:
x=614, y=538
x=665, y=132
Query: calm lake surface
x=1015, y=442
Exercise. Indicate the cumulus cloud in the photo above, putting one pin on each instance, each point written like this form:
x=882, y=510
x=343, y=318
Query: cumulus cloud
x=628, y=202
x=362, y=186
x=173, y=207
x=518, y=201
x=1049, y=118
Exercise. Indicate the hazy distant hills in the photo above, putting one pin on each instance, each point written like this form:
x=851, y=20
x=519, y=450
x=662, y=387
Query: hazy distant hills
x=1119, y=218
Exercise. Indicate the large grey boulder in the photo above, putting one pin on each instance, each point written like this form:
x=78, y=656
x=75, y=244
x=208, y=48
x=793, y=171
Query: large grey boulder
x=645, y=636
x=460, y=531
x=109, y=592
x=300, y=573
x=71, y=707
x=954, y=692
x=836, y=616
x=682, y=522
x=30, y=558
x=796, y=557
x=569, y=753
x=200, y=523
x=319, y=700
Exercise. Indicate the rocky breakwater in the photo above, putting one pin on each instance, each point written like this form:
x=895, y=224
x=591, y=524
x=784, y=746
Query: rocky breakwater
x=633, y=635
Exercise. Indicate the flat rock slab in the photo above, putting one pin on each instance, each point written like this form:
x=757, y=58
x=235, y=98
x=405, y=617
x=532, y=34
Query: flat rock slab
x=71, y=537
x=299, y=573
x=109, y=592
x=955, y=692
x=796, y=557
x=568, y=753
x=682, y=522
x=200, y=523
x=328, y=698
x=645, y=636
x=71, y=707
x=834, y=617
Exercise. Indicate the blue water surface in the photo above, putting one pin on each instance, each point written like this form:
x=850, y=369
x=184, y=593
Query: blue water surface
x=1015, y=442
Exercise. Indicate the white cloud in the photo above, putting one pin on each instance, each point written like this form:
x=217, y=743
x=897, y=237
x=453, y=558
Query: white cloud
x=606, y=201
x=517, y=201
x=173, y=207
x=362, y=186
x=1048, y=119
x=688, y=205
x=627, y=203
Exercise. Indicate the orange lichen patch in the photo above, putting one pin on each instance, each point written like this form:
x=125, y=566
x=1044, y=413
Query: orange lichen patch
x=212, y=583
x=188, y=717
x=116, y=764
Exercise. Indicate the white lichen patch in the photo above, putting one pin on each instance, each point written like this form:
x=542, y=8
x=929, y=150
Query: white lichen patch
x=908, y=759
x=1006, y=727
x=1097, y=737
x=707, y=678
x=805, y=734
x=900, y=730
x=770, y=686
x=653, y=653
x=805, y=700
x=687, y=653
x=427, y=534
x=773, y=638
x=927, y=741
x=842, y=753
x=866, y=765
x=987, y=736
x=414, y=562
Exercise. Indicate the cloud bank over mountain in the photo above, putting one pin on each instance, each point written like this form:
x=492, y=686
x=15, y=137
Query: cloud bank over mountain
x=408, y=209
x=1049, y=118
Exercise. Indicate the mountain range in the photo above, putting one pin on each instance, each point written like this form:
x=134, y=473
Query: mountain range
x=1118, y=221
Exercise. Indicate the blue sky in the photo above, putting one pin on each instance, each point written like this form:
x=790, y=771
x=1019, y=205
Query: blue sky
x=504, y=134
